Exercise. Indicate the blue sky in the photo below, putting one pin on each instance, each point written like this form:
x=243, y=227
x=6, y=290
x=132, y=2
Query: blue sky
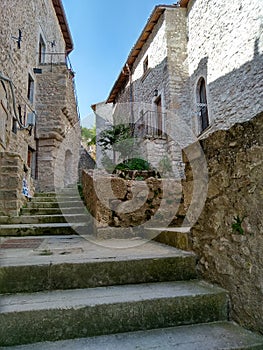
x=103, y=33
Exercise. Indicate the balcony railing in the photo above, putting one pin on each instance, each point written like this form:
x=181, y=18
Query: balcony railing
x=151, y=125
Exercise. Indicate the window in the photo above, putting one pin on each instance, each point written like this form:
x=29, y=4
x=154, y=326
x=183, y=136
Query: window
x=30, y=89
x=202, y=104
x=14, y=126
x=41, y=50
x=145, y=65
x=159, y=118
x=31, y=161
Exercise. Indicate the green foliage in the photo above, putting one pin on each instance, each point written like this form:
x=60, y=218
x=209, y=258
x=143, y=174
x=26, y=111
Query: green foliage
x=134, y=164
x=89, y=135
x=110, y=137
x=119, y=138
x=237, y=225
x=139, y=178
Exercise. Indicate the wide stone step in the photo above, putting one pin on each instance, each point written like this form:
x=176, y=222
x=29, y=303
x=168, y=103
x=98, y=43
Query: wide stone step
x=64, y=204
x=51, y=211
x=45, y=194
x=178, y=237
x=55, y=199
x=44, y=199
x=43, y=219
x=56, y=315
x=42, y=229
x=69, y=266
x=211, y=336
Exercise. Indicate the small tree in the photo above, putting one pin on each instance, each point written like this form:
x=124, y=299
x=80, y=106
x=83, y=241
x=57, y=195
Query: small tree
x=89, y=135
x=118, y=139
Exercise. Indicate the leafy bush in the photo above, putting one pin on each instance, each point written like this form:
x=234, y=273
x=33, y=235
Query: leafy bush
x=134, y=164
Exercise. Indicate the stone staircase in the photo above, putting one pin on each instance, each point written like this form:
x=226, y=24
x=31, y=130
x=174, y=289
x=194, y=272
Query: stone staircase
x=145, y=297
x=48, y=214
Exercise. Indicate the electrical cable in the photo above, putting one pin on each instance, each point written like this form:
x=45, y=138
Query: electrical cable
x=11, y=84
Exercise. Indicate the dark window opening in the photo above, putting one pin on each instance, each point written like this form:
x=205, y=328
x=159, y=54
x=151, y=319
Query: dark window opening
x=159, y=115
x=31, y=161
x=14, y=126
x=41, y=50
x=202, y=103
x=30, y=89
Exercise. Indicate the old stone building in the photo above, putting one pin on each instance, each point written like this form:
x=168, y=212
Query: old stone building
x=38, y=105
x=197, y=67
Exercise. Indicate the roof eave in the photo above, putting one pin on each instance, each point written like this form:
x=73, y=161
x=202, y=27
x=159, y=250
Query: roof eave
x=134, y=53
x=62, y=19
x=183, y=3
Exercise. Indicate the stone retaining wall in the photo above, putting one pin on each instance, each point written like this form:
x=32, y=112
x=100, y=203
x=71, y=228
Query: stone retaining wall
x=51, y=85
x=225, y=47
x=118, y=202
x=226, y=256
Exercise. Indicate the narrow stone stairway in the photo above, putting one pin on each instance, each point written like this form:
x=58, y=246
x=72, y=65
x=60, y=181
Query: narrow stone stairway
x=47, y=214
x=81, y=295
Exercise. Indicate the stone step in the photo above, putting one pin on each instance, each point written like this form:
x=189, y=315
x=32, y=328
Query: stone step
x=57, y=315
x=51, y=211
x=43, y=219
x=209, y=336
x=44, y=199
x=64, y=204
x=58, y=266
x=42, y=229
x=45, y=194
x=178, y=237
x=57, y=198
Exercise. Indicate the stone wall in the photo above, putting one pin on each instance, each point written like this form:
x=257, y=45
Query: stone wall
x=166, y=49
x=36, y=19
x=86, y=162
x=58, y=128
x=220, y=42
x=166, y=78
x=11, y=176
x=117, y=202
x=228, y=256
x=225, y=47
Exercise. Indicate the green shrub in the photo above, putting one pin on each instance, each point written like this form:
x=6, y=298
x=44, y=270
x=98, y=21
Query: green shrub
x=134, y=164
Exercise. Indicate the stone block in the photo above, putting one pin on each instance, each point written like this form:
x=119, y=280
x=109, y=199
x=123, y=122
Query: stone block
x=119, y=187
x=6, y=195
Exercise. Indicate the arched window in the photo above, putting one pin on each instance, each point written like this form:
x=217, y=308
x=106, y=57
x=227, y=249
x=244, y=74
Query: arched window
x=202, y=104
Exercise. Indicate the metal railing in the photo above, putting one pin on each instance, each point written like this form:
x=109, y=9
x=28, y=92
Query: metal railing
x=151, y=125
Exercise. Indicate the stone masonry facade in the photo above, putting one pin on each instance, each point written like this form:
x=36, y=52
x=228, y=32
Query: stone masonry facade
x=225, y=47
x=35, y=41
x=228, y=234
x=130, y=202
x=220, y=44
x=206, y=58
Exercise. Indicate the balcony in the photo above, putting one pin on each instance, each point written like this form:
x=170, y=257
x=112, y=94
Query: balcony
x=151, y=125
